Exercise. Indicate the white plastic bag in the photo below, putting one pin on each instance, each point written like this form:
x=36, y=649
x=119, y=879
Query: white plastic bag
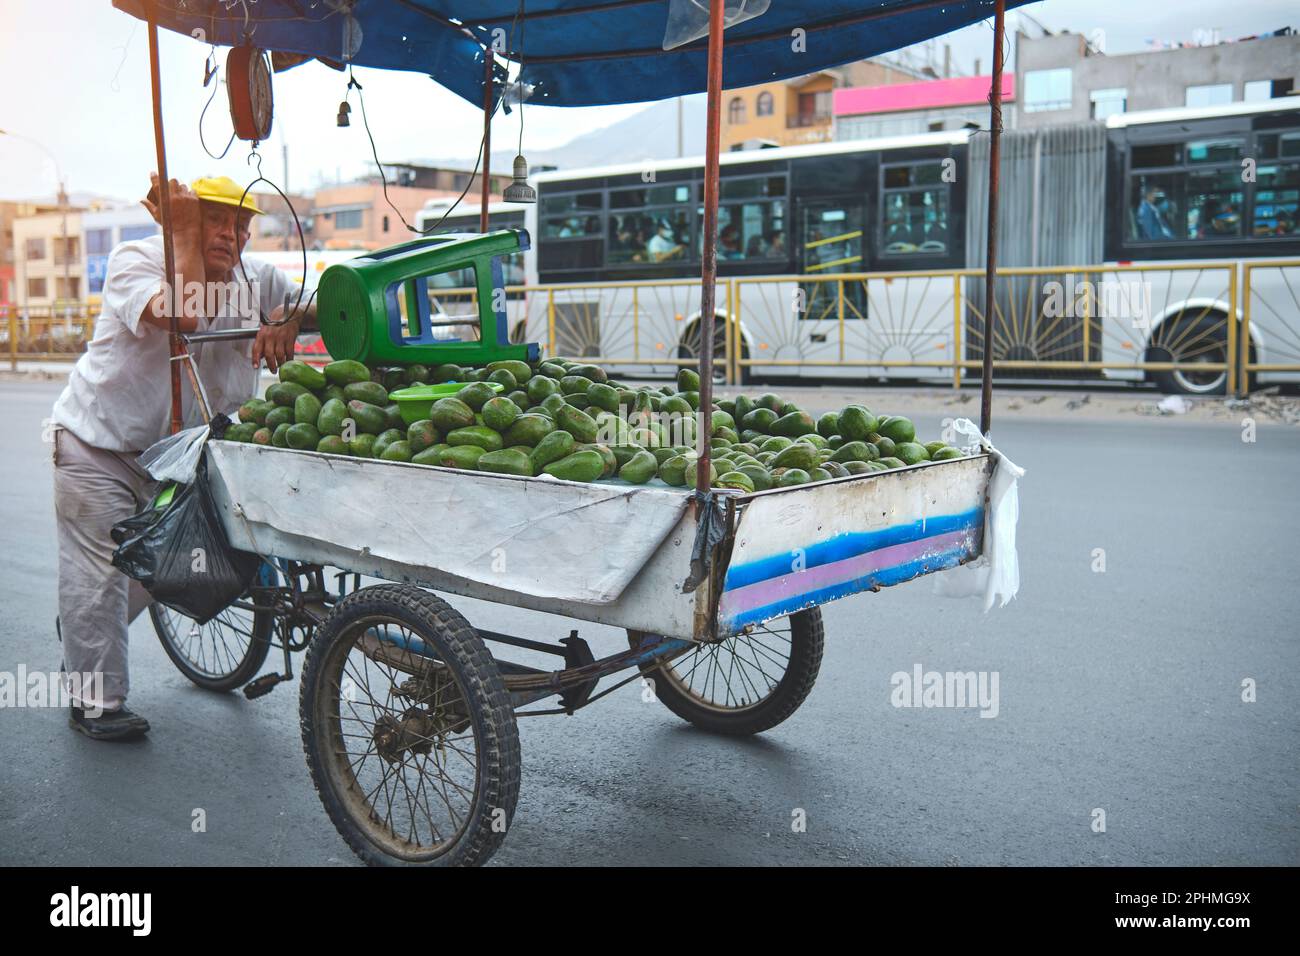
x=176, y=457
x=995, y=575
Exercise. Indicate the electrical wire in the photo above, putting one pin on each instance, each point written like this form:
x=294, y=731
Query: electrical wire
x=496, y=105
x=216, y=82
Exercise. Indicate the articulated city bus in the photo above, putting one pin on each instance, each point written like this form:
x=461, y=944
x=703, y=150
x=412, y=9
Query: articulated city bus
x=631, y=233
x=1186, y=189
x=1128, y=245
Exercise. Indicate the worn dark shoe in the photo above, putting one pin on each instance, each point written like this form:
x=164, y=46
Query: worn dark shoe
x=120, y=724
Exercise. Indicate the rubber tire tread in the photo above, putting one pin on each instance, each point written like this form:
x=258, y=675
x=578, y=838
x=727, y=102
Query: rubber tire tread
x=491, y=708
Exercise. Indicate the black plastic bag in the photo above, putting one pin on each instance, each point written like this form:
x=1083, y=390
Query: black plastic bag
x=181, y=554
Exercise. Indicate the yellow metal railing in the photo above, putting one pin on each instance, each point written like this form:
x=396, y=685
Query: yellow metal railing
x=1184, y=320
x=46, y=334
x=1129, y=319
x=1270, y=294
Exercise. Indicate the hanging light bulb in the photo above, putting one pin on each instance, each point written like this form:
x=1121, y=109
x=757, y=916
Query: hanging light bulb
x=519, y=190
x=344, y=110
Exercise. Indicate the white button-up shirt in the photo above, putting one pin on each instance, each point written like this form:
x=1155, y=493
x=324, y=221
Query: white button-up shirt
x=118, y=396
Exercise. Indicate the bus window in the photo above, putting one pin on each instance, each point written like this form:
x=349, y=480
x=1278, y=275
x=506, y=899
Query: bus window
x=752, y=187
x=1201, y=152
x=750, y=232
x=648, y=236
x=914, y=204
x=1197, y=195
x=649, y=224
x=1277, y=186
x=574, y=216
x=1156, y=205
x=1214, y=201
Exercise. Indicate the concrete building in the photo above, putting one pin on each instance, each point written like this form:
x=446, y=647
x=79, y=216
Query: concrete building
x=10, y=211
x=102, y=229
x=47, y=272
x=904, y=109
x=1063, y=78
x=800, y=110
x=357, y=215
x=275, y=231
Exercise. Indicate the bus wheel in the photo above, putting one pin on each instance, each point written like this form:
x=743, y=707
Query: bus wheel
x=691, y=343
x=1192, y=342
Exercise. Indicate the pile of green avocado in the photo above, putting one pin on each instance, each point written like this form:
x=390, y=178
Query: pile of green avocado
x=568, y=420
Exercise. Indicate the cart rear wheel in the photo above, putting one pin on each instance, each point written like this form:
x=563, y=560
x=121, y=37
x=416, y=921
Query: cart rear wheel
x=409, y=731
x=746, y=684
x=221, y=655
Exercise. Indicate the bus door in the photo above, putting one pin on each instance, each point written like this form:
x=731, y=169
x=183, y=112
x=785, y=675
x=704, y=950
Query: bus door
x=832, y=233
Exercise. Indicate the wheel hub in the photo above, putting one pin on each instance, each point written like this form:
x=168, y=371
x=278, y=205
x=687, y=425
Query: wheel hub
x=412, y=732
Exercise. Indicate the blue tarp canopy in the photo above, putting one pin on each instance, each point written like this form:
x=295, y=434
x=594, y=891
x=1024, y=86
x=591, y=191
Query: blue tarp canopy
x=574, y=52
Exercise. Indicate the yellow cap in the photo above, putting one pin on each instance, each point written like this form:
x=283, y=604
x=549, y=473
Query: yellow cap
x=224, y=190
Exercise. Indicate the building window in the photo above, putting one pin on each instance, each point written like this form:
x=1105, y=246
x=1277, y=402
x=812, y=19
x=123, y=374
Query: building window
x=36, y=288
x=1213, y=94
x=1048, y=90
x=99, y=242
x=133, y=233
x=347, y=219
x=736, y=111
x=385, y=224
x=66, y=250
x=1108, y=102
x=766, y=104
x=814, y=108
x=1254, y=91
x=34, y=249
x=68, y=289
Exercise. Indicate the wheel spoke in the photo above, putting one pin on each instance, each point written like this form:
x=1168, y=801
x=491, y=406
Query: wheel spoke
x=736, y=674
x=393, y=697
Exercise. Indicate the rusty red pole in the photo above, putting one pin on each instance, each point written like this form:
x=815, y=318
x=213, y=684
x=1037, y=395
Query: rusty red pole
x=991, y=265
x=487, y=142
x=709, y=270
x=165, y=214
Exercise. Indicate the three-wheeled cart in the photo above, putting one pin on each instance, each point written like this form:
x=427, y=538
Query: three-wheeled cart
x=408, y=713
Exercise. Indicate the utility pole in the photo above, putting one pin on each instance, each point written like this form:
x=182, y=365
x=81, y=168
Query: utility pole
x=63, y=207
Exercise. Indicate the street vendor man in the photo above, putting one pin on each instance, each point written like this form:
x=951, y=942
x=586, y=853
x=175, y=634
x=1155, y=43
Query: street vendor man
x=118, y=402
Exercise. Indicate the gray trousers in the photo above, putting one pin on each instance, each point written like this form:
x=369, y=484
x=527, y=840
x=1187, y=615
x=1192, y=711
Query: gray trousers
x=94, y=489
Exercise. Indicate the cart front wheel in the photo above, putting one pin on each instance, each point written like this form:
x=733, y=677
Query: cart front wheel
x=409, y=731
x=746, y=684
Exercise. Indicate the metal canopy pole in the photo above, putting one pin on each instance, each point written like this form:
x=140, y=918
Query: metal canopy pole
x=487, y=140
x=709, y=271
x=991, y=254
x=171, y=298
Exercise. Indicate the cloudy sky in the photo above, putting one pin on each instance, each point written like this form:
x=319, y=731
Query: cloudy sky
x=75, y=79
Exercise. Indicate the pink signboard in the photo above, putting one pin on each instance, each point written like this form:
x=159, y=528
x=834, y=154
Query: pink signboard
x=929, y=94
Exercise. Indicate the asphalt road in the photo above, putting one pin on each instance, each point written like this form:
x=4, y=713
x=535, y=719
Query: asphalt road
x=1119, y=691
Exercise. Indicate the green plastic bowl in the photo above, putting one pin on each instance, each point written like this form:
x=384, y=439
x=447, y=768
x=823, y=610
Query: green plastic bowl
x=416, y=402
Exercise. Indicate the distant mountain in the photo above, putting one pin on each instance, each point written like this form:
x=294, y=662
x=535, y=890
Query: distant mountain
x=653, y=130
x=648, y=134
